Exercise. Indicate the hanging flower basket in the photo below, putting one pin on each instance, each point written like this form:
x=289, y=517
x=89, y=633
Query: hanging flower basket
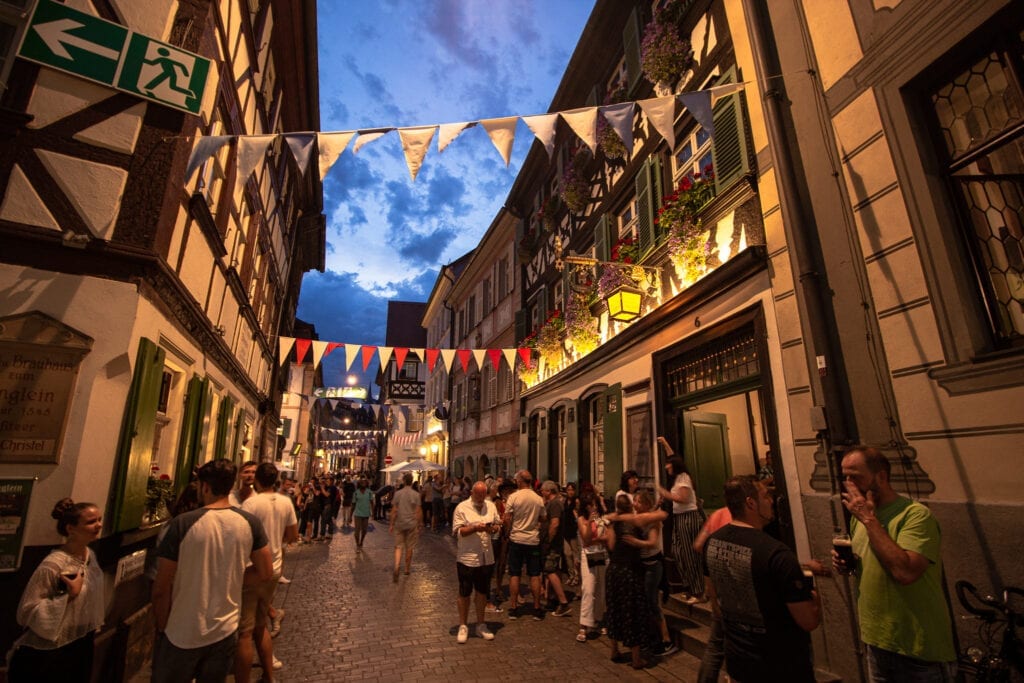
x=575, y=186
x=529, y=375
x=550, y=338
x=609, y=141
x=547, y=215
x=580, y=326
x=664, y=56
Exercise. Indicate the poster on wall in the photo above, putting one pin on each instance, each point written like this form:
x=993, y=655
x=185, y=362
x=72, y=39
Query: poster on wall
x=14, y=496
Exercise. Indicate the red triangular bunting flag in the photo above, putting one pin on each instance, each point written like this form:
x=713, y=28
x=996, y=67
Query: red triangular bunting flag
x=330, y=347
x=301, y=347
x=495, y=356
x=400, y=353
x=432, y=355
x=464, y=356
x=368, y=352
x=524, y=354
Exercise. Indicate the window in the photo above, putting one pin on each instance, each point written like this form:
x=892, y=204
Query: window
x=14, y=16
x=692, y=155
x=978, y=116
x=472, y=313
x=488, y=304
x=625, y=221
x=410, y=370
x=491, y=398
x=505, y=376
x=462, y=324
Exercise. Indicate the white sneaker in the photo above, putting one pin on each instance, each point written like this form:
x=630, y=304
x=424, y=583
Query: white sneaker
x=463, y=635
x=284, y=579
x=278, y=665
x=483, y=632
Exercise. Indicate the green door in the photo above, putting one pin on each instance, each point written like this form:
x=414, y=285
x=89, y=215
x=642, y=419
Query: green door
x=572, y=445
x=612, y=439
x=707, y=455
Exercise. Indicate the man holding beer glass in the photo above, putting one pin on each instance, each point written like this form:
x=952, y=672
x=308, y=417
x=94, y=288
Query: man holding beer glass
x=894, y=552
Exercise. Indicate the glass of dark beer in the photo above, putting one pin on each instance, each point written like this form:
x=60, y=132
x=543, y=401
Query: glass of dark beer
x=843, y=546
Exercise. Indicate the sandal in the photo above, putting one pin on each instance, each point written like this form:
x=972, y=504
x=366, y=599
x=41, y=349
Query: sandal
x=581, y=637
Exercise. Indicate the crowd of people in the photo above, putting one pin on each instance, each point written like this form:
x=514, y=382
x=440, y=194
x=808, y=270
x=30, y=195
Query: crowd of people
x=219, y=562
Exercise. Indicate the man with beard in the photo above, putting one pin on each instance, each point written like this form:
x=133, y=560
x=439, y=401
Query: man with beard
x=896, y=541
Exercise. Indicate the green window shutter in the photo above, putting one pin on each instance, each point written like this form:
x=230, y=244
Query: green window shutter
x=521, y=325
x=236, y=439
x=135, y=443
x=193, y=420
x=631, y=49
x=572, y=444
x=601, y=247
x=612, y=438
x=543, y=459
x=730, y=152
x=524, y=441
x=286, y=427
x=543, y=304
x=227, y=407
x=648, y=200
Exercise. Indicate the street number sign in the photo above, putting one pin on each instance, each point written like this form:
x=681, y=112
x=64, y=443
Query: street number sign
x=98, y=50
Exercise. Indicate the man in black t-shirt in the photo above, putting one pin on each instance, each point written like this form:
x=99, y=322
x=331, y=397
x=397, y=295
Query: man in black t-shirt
x=757, y=587
x=551, y=544
x=348, y=490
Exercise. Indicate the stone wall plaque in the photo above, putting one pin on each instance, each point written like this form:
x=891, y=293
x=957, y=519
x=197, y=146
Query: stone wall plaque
x=39, y=362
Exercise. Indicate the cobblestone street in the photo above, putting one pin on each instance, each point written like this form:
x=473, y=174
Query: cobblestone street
x=346, y=620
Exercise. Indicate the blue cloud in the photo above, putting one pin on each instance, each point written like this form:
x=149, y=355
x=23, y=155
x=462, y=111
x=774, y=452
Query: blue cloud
x=426, y=249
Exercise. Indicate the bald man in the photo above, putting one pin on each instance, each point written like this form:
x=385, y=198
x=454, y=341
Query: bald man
x=474, y=524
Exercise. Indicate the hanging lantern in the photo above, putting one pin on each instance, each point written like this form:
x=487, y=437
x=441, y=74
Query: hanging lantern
x=624, y=303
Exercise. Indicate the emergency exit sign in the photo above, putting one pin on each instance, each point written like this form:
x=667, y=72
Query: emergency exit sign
x=80, y=44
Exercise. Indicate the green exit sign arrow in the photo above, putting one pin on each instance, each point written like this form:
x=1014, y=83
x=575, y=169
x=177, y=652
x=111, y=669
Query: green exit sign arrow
x=63, y=38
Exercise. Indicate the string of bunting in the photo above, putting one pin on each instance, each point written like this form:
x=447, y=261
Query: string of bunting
x=366, y=353
x=416, y=140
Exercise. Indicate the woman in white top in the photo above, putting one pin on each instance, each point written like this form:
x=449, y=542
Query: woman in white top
x=628, y=485
x=687, y=519
x=62, y=606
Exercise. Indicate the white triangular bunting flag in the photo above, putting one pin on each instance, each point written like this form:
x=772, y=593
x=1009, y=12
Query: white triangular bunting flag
x=351, y=353
x=204, y=149
x=284, y=345
x=367, y=136
x=502, y=133
x=301, y=145
x=720, y=91
x=449, y=131
x=331, y=145
x=584, y=122
x=543, y=127
x=447, y=356
x=415, y=143
x=419, y=353
x=385, y=355
x=318, y=352
x=620, y=118
x=661, y=112
x=510, y=358
x=698, y=103
x=251, y=148
x=479, y=355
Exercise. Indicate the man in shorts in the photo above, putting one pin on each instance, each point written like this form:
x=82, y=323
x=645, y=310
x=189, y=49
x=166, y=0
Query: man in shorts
x=406, y=520
x=524, y=513
x=475, y=519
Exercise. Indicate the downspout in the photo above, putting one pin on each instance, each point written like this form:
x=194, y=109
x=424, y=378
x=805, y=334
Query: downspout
x=446, y=273
x=804, y=247
x=833, y=418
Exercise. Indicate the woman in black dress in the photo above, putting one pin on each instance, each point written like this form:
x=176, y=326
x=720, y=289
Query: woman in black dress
x=627, y=615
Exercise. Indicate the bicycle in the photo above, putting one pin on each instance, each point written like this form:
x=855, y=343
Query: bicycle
x=995, y=615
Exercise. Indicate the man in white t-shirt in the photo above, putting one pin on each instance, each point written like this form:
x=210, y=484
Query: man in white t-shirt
x=197, y=593
x=475, y=519
x=406, y=521
x=277, y=514
x=524, y=512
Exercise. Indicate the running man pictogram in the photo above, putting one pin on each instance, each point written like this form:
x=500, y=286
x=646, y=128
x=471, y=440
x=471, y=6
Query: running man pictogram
x=168, y=72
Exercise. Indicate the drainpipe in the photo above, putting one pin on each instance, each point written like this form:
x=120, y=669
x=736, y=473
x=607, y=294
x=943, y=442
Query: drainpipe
x=834, y=418
x=447, y=274
x=804, y=247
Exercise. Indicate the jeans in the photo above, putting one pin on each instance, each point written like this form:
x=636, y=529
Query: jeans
x=714, y=653
x=327, y=522
x=208, y=664
x=890, y=667
x=591, y=592
x=652, y=584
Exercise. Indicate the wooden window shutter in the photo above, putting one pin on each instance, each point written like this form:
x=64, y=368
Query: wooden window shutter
x=198, y=402
x=135, y=443
x=612, y=413
x=731, y=149
x=236, y=439
x=522, y=323
x=648, y=200
x=572, y=445
x=220, y=446
x=631, y=50
x=601, y=246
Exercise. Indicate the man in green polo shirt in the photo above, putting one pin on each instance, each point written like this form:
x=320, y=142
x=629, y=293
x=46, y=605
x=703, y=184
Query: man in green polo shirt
x=904, y=620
